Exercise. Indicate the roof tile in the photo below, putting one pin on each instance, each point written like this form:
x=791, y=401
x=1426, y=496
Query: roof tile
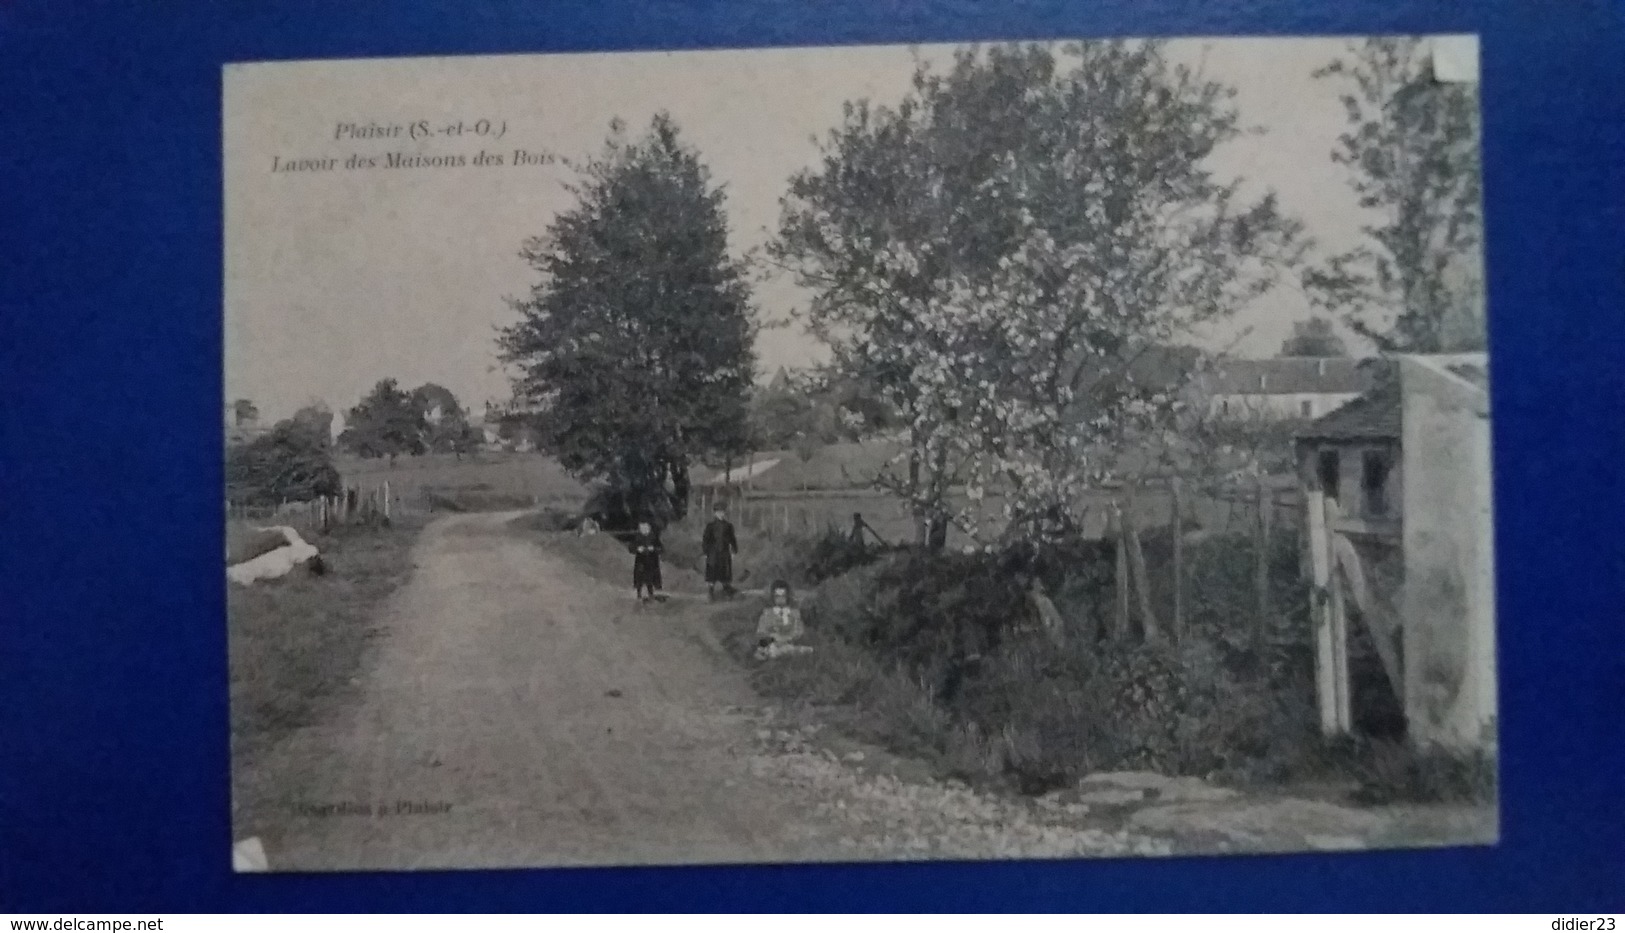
x=1377, y=414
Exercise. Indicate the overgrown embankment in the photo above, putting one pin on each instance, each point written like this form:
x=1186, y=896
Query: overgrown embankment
x=298, y=642
x=944, y=657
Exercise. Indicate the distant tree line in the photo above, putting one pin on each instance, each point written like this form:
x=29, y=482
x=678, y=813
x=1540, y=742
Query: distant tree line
x=808, y=410
x=293, y=460
x=391, y=422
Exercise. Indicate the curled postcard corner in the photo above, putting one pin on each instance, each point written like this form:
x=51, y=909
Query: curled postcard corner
x=1455, y=59
x=249, y=855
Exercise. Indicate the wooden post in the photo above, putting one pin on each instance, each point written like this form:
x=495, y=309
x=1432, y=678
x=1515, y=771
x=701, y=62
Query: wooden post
x=1120, y=577
x=1261, y=565
x=386, y=500
x=1320, y=609
x=1342, y=694
x=1177, y=626
x=1331, y=631
x=787, y=519
x=1136, y=559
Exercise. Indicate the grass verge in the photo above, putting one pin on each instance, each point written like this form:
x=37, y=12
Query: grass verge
x=244, y=542
x=848, y=688
x=297, y=642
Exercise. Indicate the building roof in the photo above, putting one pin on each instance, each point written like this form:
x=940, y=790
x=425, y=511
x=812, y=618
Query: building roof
x=1291, y=375
x=1374, y=415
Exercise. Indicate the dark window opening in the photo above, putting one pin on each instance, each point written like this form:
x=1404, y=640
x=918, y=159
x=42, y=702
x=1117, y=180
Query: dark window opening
x=1328, y=469
x=1374, y=481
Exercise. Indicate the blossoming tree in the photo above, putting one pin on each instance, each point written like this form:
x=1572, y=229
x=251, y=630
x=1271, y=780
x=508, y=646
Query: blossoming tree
x=996, y=251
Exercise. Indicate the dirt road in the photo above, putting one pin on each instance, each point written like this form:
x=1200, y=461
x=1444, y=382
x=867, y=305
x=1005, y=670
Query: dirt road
x=516, y=712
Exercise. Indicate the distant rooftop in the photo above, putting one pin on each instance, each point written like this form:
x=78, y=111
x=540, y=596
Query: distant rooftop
x=1291, y=375
x=1375, y=415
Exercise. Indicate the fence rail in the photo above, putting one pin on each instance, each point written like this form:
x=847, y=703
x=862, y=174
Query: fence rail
x=1159, y=596
x=354, y=504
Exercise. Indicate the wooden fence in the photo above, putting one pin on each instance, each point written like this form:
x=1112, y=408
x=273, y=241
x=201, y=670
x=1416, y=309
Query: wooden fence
x=354, y=505
x=1154, y=598
x=1265, y=513
x=792, y=514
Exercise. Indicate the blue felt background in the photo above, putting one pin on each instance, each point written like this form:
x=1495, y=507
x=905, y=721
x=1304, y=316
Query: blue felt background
x=113, y=737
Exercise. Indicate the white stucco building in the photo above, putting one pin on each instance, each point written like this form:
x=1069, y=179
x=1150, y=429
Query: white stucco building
x=1401, y=539
x=1298, y=387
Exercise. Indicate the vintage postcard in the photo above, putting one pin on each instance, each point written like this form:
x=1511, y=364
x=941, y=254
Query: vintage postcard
x=1058, y=449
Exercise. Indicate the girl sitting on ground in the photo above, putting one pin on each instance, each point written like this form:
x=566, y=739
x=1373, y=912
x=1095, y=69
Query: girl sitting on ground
x=779, y=626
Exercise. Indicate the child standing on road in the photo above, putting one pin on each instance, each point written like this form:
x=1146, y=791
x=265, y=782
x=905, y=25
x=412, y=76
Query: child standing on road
x=779, y=626
x=646, y=562
x=720, y=545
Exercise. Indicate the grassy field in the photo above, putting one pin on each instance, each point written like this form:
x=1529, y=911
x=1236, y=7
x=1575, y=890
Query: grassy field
x=810, y=512
x=297, y=642
x=497, y=480
x=830, y=466
x=796, y=497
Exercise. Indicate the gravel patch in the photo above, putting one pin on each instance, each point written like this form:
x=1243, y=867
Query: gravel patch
x=879, y=816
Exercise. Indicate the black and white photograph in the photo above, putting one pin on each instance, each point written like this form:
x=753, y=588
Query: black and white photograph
x=1014, y=450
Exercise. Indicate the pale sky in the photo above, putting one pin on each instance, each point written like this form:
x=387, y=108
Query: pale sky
x=337, y=279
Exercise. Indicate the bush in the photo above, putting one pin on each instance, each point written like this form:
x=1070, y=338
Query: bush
x=834, y=553
x=842, y=605
x=1394, y=772
x=1038, y=709
x=290, y=463
x=933, y=612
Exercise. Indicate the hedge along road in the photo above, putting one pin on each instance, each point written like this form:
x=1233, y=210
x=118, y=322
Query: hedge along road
x=519, y=712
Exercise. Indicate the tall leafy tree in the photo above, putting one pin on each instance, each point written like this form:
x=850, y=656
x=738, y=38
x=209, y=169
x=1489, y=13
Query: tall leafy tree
x=994, y=252
x=1415, y=283
x=316, y=420
x=386, y=423
x=1314, y=337
x=636, y=347
x=445, y=423
x=289, y=462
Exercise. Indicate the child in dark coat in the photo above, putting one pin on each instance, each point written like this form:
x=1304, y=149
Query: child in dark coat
x=720, y=545
x=646, y=562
